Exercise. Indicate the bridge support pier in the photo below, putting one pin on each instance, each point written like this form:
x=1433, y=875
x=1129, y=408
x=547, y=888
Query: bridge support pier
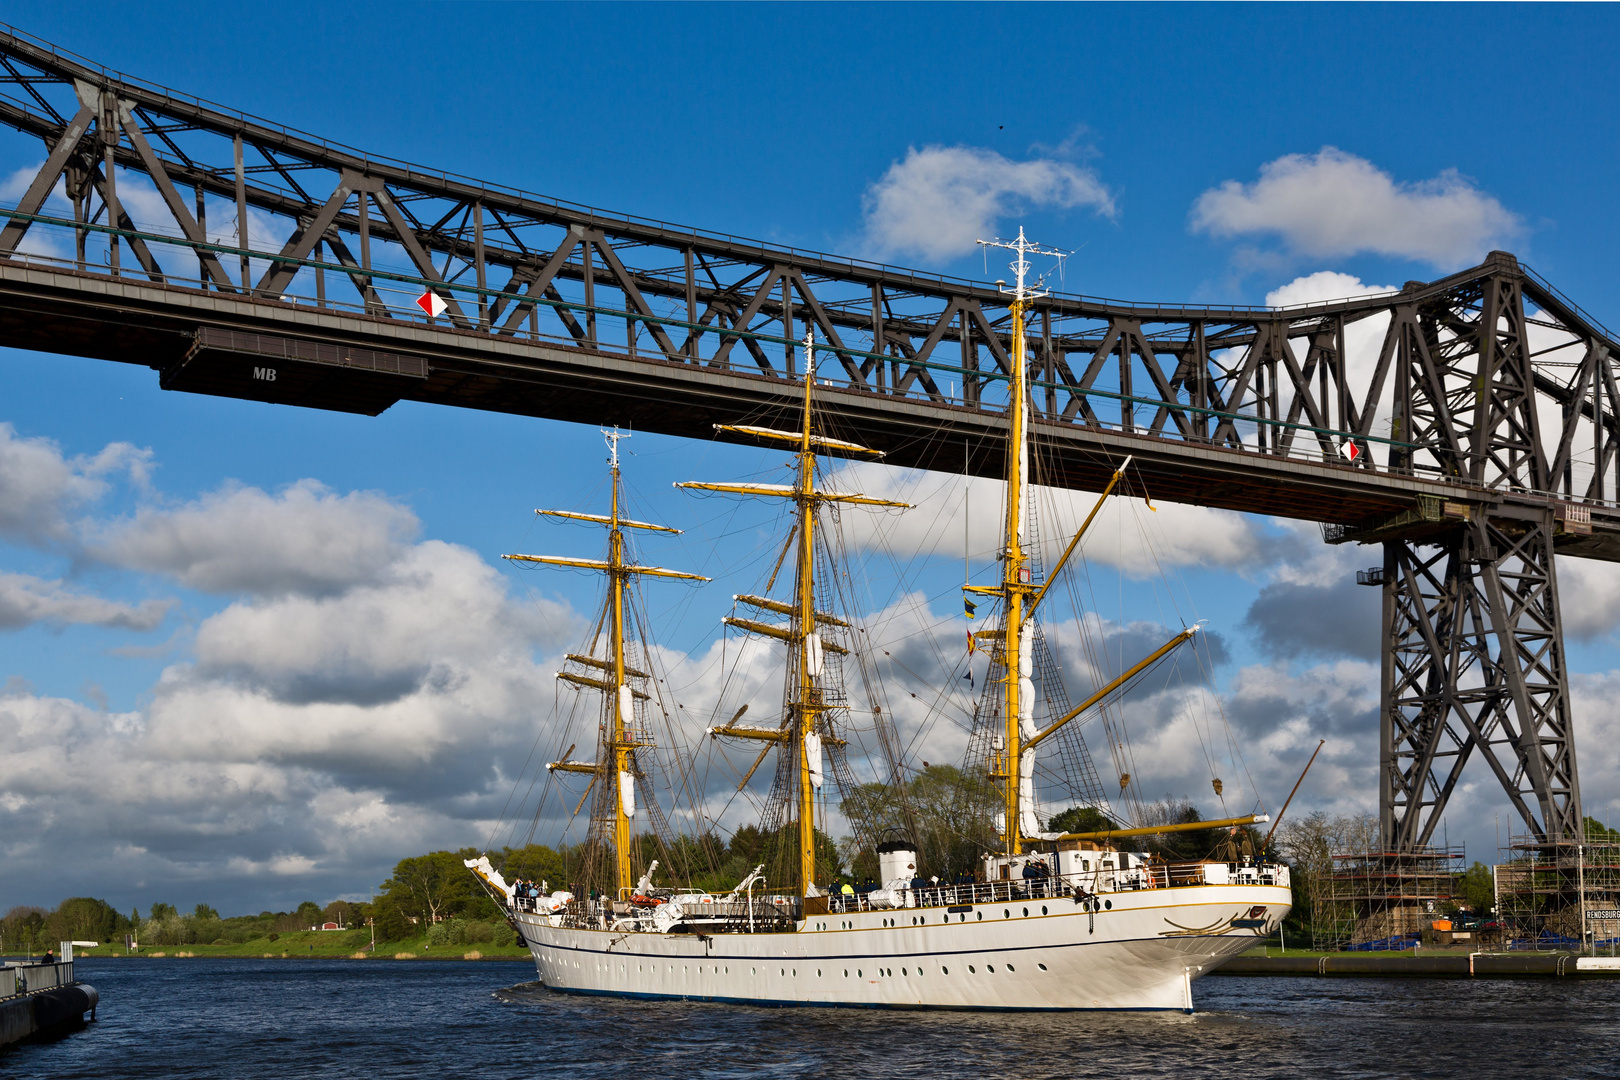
x=1473, y=663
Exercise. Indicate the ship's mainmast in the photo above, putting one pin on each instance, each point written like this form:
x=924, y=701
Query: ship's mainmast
x=802, y=730
x=615, y=765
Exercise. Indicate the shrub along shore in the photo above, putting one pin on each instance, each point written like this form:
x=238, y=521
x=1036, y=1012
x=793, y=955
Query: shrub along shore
x=304, y=944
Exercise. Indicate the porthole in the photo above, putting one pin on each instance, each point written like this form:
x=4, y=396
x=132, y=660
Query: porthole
x=972, y=970
x=902, y=971
x=1043, y=909
x=1041, y=966
x=980, y=916
x=962, y=917
x=1109, y=904
x=1011, y=968
x=991, y=968
x=858, y=974
x=818, y=973
x=1026, y=913
x=846, y=973
x=944, y=971
x=783, y=972
x=1006, y=914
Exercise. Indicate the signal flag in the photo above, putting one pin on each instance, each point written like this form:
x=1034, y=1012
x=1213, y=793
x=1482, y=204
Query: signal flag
x=1349, y=450
x=431, y=303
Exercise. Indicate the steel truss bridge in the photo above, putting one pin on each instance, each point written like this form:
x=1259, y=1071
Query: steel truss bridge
x=241, y=258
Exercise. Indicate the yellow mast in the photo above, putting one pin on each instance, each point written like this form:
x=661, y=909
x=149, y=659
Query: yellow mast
x=809, y=699
x=805, y=702
x=622, y=705
x=1015, y=578
x=1015, y=774
x=1015, y=766
x=622, y=738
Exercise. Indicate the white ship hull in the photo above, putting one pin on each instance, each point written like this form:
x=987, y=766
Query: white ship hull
x=1141, y=952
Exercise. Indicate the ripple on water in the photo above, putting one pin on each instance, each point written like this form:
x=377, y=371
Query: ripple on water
x=382, y=1019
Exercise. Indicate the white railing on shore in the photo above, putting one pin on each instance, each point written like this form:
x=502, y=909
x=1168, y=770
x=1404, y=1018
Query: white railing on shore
x=19, y=978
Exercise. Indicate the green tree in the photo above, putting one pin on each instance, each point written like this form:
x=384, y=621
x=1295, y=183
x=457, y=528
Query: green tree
x=162, y=911
x=747, y=844
x=203, y=913
x=309, y=914
x=1477, y=888
x=390, y=921
x=23, y=925
x=1079, y=819
x=533, y=862
x=434, y=886
x=1601, y=833
x=954, y=815
x=84, y=918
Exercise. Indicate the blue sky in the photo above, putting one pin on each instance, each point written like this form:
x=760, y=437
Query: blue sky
x=1216, y=153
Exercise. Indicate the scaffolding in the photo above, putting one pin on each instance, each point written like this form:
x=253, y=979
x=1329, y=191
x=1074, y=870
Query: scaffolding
x=1559, y=894
x=1382, y=899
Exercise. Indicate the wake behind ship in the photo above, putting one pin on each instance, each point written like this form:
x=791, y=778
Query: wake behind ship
x=1047, y=919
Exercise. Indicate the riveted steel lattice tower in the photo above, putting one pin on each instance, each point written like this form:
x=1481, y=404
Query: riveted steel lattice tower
x=1473, y=654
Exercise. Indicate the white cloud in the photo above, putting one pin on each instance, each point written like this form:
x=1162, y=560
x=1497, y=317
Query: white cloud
x=312, y=738
x=938, y=200
x=1322, y=286
x=39, y=486
x=304, y=539
x=1126, y=535
x=1336, y=204
x=25, y=600
x=1589, y=597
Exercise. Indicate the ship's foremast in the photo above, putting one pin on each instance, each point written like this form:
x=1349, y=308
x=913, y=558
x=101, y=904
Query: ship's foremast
x=804, y=728
x=615, y=765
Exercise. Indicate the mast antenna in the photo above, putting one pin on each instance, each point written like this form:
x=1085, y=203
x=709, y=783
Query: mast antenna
x=1023, y=248
x=613, y=438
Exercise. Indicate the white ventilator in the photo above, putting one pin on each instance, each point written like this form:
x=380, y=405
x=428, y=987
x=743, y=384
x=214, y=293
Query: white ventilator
x=813, y=655
x=812, y=756
x=627, y=793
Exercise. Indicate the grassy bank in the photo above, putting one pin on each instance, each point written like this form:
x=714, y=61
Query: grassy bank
x=349, y=944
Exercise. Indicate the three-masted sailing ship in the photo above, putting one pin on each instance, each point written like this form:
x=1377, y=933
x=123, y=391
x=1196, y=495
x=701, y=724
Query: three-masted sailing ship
x=1048, y=920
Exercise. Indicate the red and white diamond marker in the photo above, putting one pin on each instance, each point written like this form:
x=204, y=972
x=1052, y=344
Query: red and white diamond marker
x=430, y=303
x=1349, y=450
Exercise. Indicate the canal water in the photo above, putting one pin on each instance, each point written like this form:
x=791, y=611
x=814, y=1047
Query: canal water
x=381, y=1019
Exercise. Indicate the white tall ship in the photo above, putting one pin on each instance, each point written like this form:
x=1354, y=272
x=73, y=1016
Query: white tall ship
x=1048, y=920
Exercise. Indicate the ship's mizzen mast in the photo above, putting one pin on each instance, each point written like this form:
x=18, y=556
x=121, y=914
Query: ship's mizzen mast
x=804, y=728
x=1013, y=765
x=1013, y=768
x=615, y=764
